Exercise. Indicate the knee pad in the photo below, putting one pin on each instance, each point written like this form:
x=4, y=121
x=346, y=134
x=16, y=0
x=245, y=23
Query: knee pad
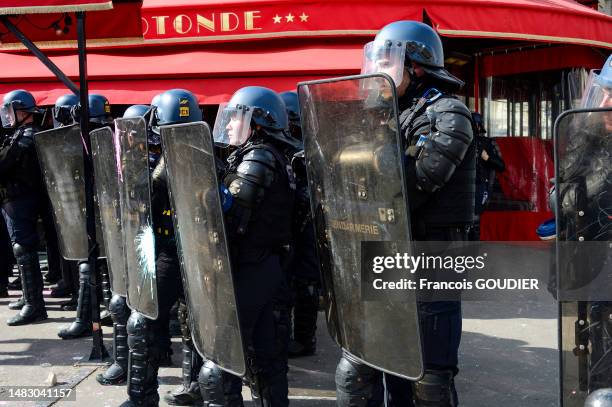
x=137, y=329
x=20, y=251
x=118, y=307
x=84, y=269
x=355, y=379
x=436, y=389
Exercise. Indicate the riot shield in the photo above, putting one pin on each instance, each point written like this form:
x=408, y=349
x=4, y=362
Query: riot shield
x=203, y=249
x=107, y=192
x=60, y=153
x=132, y=160
x=583, y=174
x=354, y=162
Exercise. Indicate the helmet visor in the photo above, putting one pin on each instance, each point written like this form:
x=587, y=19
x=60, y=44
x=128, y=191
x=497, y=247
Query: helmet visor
x=233, y=125
x=384, y=57
x=596, y=94
x=7, y=114
x=62, y=116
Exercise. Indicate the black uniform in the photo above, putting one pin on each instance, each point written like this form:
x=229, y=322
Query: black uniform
x=440, y=168
x=259, y=228
x=20, y=194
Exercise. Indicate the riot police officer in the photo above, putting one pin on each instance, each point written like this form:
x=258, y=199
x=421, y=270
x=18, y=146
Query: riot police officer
x=20, y=192
x=581, y=204
x=118, y=308
x=99, y=116
x=304, y=274
x=258, y=220
x=149, y=339
x=440, y=166
x=488, y=162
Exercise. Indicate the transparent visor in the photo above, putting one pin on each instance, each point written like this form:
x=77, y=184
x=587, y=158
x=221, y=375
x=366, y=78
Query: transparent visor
x=7, y=114
x=384, y=57
x=233, y=125
x=595, y=94
x=62, y=116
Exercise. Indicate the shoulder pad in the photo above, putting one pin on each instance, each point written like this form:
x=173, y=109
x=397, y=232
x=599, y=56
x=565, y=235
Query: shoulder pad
x=29, y=132
x=261, y=155
x=450, y=105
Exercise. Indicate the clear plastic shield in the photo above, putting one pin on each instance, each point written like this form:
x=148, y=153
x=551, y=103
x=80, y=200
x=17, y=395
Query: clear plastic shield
x=60, y=153
x=354, y=162
x=132, y=160
x=107, y=192
x=583, y=152
x=203, y=249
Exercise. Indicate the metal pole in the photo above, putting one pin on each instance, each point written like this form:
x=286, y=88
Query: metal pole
x=39, y=54
x=98, y=352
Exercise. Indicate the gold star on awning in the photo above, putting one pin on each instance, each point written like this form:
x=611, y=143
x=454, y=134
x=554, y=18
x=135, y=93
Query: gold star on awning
x=304, y=17
x=289, y=17
x=277, y=19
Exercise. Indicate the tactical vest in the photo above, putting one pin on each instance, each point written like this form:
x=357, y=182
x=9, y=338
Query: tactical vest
x=453, y=203
x=269, y=223
x=24, y=179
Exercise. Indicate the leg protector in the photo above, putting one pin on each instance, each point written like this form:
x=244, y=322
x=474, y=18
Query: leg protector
x=81, y=326
x=187, y=393
x=305, y=312
x=436, y=389
x=357, y=385
x=105, y=282
x=117, y=372
x=143, y=362
x=32, y=287
x=219, y=389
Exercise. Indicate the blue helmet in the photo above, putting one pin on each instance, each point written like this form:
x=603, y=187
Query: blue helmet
x=250, y=108
x=62, y=110
x=293, y=105
x=16, y=100
x=155, y=100
x=99, y=109
x=177, y=106
x=402, y=42
x=136, y=111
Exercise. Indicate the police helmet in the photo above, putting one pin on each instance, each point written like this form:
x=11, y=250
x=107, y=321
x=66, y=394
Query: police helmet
x=99, y=109
x=599, y=398
x=136, y=111
x=399, y=43
x=177, y=106
x=249, y=108
x=62, y=110
x=16, y=100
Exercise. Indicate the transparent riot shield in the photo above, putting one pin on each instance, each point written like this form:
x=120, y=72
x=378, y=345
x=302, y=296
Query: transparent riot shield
x=60, y=153
x=132, y=160
x=203, y=249
x=583, y=178
x=354, y=162
x=107, y=192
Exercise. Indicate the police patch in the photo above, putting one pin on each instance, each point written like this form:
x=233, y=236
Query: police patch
x=184, y=107
x=107, y=108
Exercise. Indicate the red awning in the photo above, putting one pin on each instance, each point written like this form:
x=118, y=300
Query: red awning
x=52, y=23
x=52, y=6
x=559, y=21
x=213, y=75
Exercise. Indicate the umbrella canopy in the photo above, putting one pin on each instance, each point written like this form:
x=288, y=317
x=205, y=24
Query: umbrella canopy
x=51, y=23
x=561, y=21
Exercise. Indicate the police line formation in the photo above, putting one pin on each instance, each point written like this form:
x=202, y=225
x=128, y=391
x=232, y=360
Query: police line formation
x=229, y=225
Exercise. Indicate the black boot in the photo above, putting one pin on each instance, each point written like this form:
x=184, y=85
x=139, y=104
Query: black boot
x=81, y=326
x=61, y=290
x=305, y=312
x=117, y=372
x=142, y=364
x=71, y=304
x=188, y=393
x=32, y=283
